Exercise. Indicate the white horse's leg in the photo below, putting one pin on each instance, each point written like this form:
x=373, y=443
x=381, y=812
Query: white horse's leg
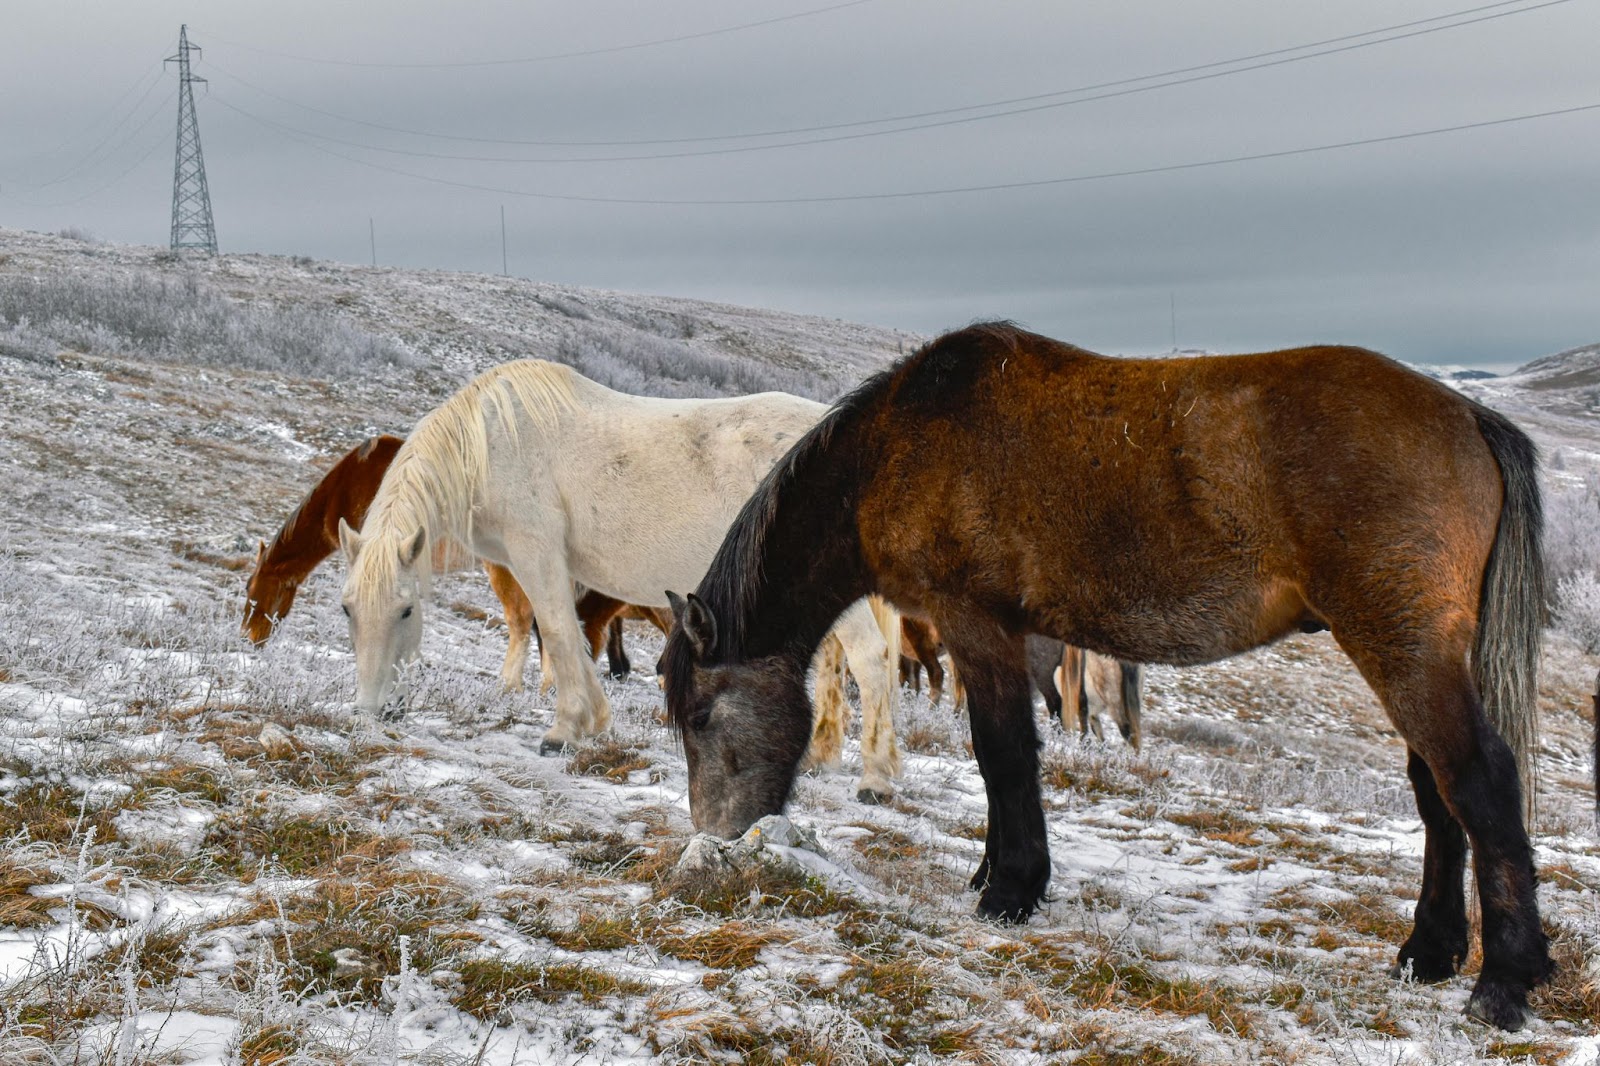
x=581, y=706
x=827, y=731
x=870, y=634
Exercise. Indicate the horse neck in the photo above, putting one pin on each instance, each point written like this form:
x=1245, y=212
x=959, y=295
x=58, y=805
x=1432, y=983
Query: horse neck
x=311, y=533
x=810, y=566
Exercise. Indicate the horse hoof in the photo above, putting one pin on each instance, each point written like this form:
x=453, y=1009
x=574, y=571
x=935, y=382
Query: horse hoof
x=1006, y=906
x=554, y=747
x=1504, y=1006
x=1427, y=967
x=872, y=797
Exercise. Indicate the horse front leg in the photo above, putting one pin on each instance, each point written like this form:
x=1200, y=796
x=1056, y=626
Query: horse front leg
x=581, y=706
x=867, y=631
x=1016, y=862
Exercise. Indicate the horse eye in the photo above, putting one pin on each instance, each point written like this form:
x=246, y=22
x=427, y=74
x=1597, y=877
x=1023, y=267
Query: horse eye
x=345, y=607
x=406, y=613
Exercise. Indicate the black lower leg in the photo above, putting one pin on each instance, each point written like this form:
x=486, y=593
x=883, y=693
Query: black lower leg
x=1016, y=864
x=1487, y=799
x=617, y=663
x=1438, y=940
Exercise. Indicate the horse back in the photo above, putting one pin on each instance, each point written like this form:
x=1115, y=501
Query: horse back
x=1176, y=510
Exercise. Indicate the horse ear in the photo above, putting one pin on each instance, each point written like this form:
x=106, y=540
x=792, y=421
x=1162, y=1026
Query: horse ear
x=261, y=550
x=700, y=625
x=349, y=541
x=410, y=553
x=675, y=602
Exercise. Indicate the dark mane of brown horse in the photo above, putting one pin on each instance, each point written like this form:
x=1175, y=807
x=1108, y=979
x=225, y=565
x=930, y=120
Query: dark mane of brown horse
x=999, y=483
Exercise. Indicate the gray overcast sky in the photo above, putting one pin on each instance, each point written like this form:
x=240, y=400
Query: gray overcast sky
x=1477, y=247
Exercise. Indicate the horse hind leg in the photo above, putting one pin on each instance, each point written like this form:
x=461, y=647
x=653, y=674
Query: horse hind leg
x=1436, y=709
x=519, y=625
x=1075, y=693
x=617, y=664
x=917, y=636
x=1438, y=941
x=868, y=633
x=827, y=730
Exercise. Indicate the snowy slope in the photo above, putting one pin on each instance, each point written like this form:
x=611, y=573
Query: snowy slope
x=207, y=858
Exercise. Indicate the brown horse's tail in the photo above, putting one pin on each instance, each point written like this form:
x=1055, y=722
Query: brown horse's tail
x=1511, y=611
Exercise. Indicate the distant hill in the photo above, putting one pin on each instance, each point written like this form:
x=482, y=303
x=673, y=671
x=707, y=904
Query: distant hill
x=1571, y=369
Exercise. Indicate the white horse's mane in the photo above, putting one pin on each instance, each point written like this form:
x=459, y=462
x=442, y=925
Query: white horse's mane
x=439, y=473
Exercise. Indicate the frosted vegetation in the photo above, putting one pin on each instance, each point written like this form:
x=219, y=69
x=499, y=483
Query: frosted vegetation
x=180, y=318
x=206, y=858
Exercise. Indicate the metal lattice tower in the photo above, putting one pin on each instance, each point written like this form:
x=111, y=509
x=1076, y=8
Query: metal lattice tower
x=191, y=198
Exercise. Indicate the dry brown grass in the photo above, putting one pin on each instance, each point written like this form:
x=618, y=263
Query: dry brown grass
x=1101, y=978
x=270, y=1045
x=755, y=889
x=19, y=907
x=490, y=985
x=1220, y=824
x=608, y=758
x=1573, y=993
x=55, y=813
x=732, y=946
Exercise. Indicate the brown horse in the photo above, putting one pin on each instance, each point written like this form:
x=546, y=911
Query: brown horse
x=1161, y=511
x=311, y=533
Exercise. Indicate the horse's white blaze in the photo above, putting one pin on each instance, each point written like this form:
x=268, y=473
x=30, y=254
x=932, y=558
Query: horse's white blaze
x=562, y=480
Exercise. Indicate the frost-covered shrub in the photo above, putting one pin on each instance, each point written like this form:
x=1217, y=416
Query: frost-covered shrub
x=1578, y=609
x=19, y=340
x=1572, y=531
x=183, y=319
x=647, y=364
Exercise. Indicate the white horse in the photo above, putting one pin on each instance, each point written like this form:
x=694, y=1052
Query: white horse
x=561, y=480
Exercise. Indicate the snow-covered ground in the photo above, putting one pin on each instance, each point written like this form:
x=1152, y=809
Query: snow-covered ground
x=205, y=857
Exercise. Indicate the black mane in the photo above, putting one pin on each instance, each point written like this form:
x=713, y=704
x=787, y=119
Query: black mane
x=733, y=585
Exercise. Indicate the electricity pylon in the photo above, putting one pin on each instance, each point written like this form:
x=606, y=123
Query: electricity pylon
x=191, y=198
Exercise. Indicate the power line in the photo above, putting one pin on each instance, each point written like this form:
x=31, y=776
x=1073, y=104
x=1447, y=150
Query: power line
x=158, y=143
x=612, y=49
x=1520, y=7
x=111, y=132
x=745, y=149
x=152, y=77
x=947, y=191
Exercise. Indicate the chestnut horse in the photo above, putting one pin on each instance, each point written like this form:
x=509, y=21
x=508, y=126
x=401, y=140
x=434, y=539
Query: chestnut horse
x=311, y=533
x=1161, y=511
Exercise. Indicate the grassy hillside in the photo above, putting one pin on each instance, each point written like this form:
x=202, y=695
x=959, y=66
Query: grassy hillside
x=205, y=857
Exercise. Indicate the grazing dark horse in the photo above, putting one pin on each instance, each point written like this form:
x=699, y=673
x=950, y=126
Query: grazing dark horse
x=311, y=533
x=1162, y=511
x=1067, y=677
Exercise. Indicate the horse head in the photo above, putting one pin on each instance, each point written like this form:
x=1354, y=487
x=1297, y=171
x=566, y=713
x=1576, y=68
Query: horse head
x=382, y=599
x=742, y=757
x=269, y=593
